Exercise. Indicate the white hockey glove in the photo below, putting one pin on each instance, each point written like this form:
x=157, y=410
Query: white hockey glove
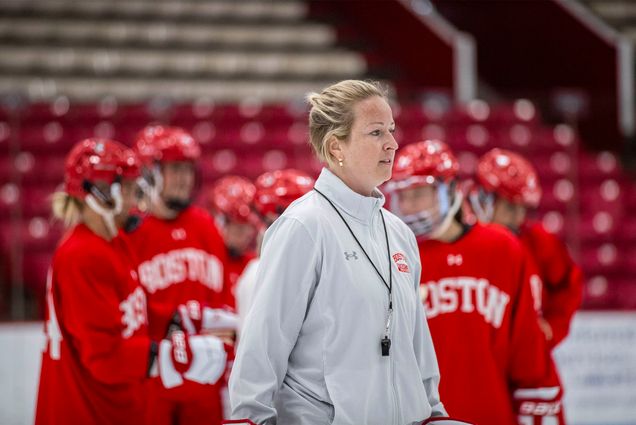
x=539, y=405
x=198, y=358
x=193, y=318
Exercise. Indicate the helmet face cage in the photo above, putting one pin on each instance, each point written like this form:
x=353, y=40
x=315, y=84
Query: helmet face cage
x=106, y=197
x=427, y=163
x=427, y=223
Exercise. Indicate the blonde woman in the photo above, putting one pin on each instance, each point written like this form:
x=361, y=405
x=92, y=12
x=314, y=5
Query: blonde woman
x=336, y=334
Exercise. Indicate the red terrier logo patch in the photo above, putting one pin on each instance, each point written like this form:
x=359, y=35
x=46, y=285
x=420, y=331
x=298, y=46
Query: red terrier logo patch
x=400, y=262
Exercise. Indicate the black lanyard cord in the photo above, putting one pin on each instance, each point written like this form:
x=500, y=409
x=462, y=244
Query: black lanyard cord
x=389, y=286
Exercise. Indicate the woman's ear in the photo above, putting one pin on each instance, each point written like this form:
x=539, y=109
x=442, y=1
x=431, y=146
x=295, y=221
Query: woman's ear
x=334, y=147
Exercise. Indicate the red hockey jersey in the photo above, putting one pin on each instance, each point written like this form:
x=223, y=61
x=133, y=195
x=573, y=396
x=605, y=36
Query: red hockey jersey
x=562, y=278
x=181, y=260
x=96, y=356
x=479, y=307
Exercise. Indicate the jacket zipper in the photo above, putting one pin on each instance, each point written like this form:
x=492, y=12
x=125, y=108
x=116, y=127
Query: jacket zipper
x=396, y=396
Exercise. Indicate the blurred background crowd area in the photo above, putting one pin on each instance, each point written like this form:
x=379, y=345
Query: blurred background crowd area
x=551, y=79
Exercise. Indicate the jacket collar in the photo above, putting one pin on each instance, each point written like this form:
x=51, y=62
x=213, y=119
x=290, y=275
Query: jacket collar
x=362, y=208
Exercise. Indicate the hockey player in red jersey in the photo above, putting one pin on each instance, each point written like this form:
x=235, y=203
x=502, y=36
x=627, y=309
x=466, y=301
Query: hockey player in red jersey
x=274, y=192
x=508, y=189
x=98, y=353
x=231, y=201
x=182, y=268
x=474, y=288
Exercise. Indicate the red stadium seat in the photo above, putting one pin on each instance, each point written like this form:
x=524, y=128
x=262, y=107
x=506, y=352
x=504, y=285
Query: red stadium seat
x=599, y=226
x=628, y=228
x=42, y=112
x=600, y=259
x=415, y=113
x=607, y=196
x=5, y=136
x=552, y=166
x=521, y=111
x=35, y=269
x=609, y=291
x=37, y=233
x=10, y=198
x=185, y=114
x=475, y=138
x=597, y=293
x=221, y=162
x=43, y=169
x=625, y=292
x=474, y=112
x=598, y=166
x=50, y=137
x=557, y=195
x=37, y=200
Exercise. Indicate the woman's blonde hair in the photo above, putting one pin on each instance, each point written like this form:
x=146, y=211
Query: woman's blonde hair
x=66, y=208
x=331, y=113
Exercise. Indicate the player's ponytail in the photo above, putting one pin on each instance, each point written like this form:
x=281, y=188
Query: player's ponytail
x=66, y=208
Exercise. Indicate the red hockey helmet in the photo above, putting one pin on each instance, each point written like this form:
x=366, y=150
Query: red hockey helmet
x=233, y=196
x=158, y=143
x=92, y=160
x=424, y=163
x=131, y=164
x=275, y=190
x=510, y=176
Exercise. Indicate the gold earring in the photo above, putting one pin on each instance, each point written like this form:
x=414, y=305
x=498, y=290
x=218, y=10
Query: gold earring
x=340, y=162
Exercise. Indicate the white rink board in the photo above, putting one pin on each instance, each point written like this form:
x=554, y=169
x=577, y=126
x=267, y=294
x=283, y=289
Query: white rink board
x=597, y=363
x=20, y=355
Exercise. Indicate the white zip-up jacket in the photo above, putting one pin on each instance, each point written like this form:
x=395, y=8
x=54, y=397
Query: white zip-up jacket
x=310, y=348
x=246, y=290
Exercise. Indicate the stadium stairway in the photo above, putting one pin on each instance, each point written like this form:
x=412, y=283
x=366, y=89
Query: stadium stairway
x=135, y=50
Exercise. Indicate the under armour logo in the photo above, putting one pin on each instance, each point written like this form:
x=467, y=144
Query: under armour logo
x=454, y=260
x=179, y=234
x=350, y=255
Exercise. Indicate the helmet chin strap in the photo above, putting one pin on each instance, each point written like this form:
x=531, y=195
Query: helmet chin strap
x=450, y=216
x=483, y=210
x=107, y=214
x=157, y=186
